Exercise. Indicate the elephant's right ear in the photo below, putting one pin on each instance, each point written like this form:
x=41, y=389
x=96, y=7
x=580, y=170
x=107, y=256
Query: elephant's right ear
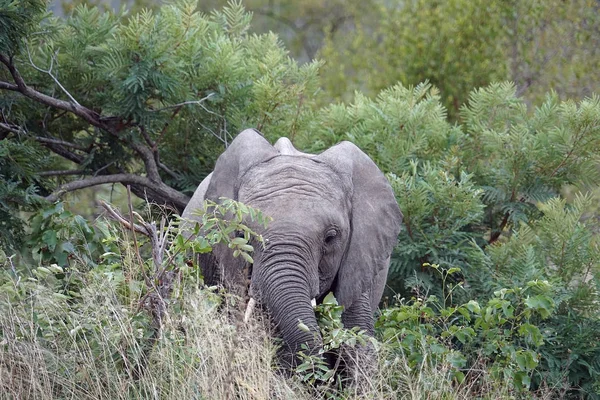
x=248, y=149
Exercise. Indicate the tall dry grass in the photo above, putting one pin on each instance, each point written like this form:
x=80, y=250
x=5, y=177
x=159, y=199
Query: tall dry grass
x=54, y=350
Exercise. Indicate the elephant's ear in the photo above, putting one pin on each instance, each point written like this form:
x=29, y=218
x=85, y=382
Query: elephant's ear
x=375, y=222
x=248, y=149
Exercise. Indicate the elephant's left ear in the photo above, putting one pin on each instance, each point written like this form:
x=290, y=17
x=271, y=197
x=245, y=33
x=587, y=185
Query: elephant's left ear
x=375, y=222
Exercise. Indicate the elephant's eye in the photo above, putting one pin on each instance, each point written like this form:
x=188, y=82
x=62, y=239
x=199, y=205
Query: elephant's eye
x=239, y=234
x=330, y=235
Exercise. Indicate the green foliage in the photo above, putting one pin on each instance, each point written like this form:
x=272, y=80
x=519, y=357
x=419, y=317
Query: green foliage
x=459, y=45
x=17, y=188
x=57, y=236
x=315, y=369
x=17, y=20
x=454, y=44
x=440, y=212
x=501, y=335
x=171, y=87
x=217, y=224
x=72, y=315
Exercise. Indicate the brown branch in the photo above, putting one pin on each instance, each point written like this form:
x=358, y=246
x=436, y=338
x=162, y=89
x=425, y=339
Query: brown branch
x=146, y=136
x=86, y=114
x=59, y=142
x=168, y=170
x=128, y=224
x=98, y=180
x=164, y=129
x=62, y=172
x=64, y=153
x=8, y=86
x=496, y=235
x=150, y=186
x=11, y=128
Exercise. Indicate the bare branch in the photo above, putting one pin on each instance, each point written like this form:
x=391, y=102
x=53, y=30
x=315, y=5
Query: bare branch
x=64, y=153
x=168, y=170
x=88, y=115
x=147, y=137
x=59, y=142
x=98, y=180
x=49, y=72
x=64, y=172
x=184, y=103
x=11, y=128
x=141, y=186
x=118, y=217
x=9, y=86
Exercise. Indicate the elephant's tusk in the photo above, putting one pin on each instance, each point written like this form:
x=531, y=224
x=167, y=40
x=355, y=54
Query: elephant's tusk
x=249, y=309
x=313, y=302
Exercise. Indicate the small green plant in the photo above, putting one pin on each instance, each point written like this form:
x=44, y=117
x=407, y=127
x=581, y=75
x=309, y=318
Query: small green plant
x=218, y=222
x=502, y=334
x=316, y=369
x=118, y=302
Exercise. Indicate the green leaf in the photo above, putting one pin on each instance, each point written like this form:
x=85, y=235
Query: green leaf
x=50, y=239
x=544, y=305
x=330, y=299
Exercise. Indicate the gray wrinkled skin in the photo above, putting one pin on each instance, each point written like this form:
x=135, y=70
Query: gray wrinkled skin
x=335, y=223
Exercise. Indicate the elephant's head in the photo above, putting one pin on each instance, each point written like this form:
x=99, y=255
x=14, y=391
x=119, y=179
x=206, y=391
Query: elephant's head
x=335, y=223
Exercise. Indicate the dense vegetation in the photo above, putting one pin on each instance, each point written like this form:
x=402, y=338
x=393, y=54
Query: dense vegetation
x=493, y=287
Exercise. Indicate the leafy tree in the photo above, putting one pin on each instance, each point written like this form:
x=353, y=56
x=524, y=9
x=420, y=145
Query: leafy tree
x=459, y=45
x=146, y=101
x=149, y=100
x=486, y=196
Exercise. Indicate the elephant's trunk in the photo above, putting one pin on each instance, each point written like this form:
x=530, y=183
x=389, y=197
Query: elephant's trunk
x=286, y=293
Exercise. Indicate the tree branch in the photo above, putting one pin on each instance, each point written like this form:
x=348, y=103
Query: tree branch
x=98, y=180
x=128, y=224
x=150, y=187
x=86, y=114
x=10, y=128
x=496, y=235
x=49, y=72
x=8, y=86
x=59, y=142
x=142, y=186
x=62, y=172
x=179, y=105
x=168, y=170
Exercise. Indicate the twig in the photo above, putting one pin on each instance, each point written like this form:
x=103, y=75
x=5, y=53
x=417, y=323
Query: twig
x=59, y=142
x=118, y=217
x=49, y=72
x=146, y=136
x=63, y=172
x=164, y=130
x=185, y=103
x=12, y=128
x=496, y=235
x=168, y=170
x=98, y=180
x=131, y=224
x=104, y=167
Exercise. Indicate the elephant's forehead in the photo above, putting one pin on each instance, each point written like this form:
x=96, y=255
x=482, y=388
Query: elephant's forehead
x=292, y=178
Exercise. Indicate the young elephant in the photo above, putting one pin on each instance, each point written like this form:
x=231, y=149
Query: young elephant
x=335, y=223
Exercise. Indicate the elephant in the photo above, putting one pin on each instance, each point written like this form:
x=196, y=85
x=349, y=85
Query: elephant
x=335, y=222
